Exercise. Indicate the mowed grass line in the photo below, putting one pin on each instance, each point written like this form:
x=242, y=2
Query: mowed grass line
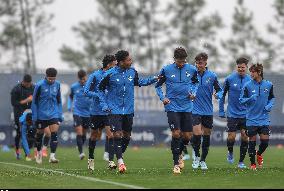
x=146, y=167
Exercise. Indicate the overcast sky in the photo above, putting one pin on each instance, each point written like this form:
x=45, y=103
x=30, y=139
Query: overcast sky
x=70, y=12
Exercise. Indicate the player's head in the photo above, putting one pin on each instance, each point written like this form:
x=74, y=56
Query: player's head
x=27, y=81
x=51, y=75
x=29, y=120
x=201, y=61
x=256, y=71
x=82, y=76
x=123, y=59
x=242, y=65
x=109, y=61
x=180, y=56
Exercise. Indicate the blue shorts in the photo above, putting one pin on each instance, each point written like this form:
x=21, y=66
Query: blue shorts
x=205, y=120
x=180, y=120
x=99, y=121
x=121, y=122
x=85, y=122
x=235, y=124
x=42, y=124
x=254, y=130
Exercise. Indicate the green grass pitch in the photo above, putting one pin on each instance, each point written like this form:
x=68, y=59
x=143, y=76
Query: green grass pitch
x=146, y=168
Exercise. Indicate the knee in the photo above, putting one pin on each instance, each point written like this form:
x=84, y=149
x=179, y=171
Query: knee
x=176, y=133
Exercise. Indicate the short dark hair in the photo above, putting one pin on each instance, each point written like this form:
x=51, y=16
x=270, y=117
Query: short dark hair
x=257, y=68
x=51, y=72
x=242, y=60
x=180, y=53
x=81, y=73
x=201, y=56
x=27, y=78
x=108, y=59
x=121, y=55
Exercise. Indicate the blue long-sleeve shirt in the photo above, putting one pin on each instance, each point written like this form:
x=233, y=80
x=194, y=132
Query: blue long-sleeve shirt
x=24, y=131
x=259, y=100
x=46, y=103
x=180, y=83
x=91, y=90
x=233, y=86
x=202, y=104
x=80, y=102
x=119, y=84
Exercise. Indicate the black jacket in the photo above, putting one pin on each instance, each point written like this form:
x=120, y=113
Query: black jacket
x=18, y=93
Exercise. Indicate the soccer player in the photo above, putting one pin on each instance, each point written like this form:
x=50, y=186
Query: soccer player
x=119, y=102
x=259, y=99
x=181, y=86
x=79, y=103
x=99, y=117
x=21, y=99
x=236, y=112
x=202, y=113
x=27, y=133
x=47, y=112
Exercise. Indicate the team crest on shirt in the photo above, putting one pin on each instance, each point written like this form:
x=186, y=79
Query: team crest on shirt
x=235, y=85
x=187, y=74
x=172, y=126
x=265, y=90
x=117, y=80
x=130, y=78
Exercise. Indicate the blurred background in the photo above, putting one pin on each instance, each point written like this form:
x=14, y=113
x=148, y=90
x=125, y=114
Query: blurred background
x=75, y=34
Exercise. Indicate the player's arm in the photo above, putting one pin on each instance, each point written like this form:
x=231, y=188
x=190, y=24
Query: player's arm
x=144, y=82
x=158, y=88
x=244, y=97
x=271, y=100
x=218, y=89
x=35, y=102
x=226, y=87
x=194, y=85
x=102, y=86
x=15, y=97
x=70, y=99
x=89, y=89
x=59, y=102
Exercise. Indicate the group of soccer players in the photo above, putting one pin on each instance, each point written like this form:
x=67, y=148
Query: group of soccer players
x=105, y=99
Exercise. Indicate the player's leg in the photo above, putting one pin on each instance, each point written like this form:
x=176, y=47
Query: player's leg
x=196, y=139
x=53, y=126
x=186, y=129
x=126, y=130
x=17, y=139
x=231, y=130
x=174, y=120
x=264, y=140
x=110, y=144
x=252, y=132
x=41, y=125
x=243, y=148
x=46, y=139
x=207, y=125
x=106, y=153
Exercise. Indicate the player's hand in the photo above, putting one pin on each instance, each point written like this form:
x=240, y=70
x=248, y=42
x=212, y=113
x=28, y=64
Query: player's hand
x=166, y=101
x=191, y=96
x=30, y=99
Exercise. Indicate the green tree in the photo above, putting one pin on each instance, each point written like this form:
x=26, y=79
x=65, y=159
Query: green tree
x=191, y=30
x=277, y=30
x=121, y=24
x=245, y=40
x=24, y=24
